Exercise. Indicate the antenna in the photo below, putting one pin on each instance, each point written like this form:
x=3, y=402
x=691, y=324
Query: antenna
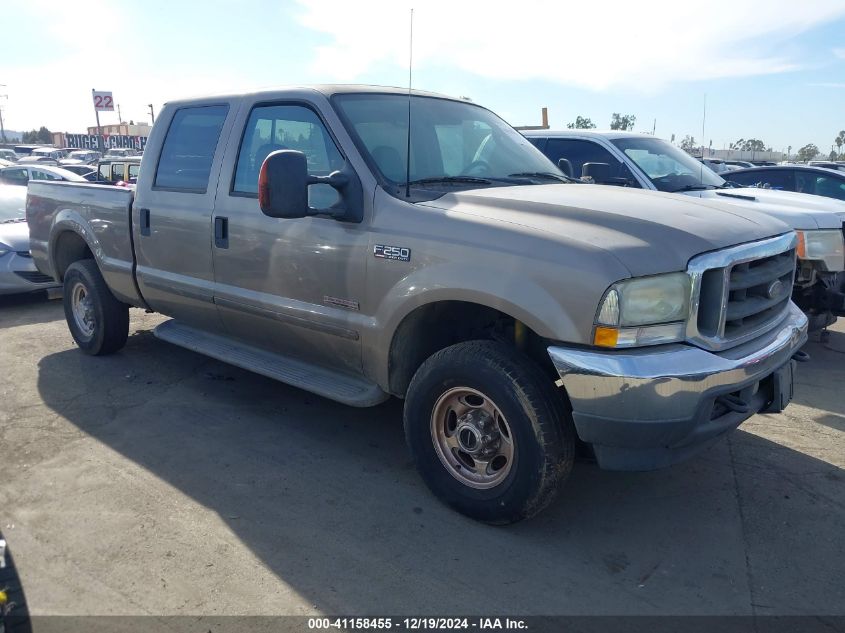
x=703, y=120
x=410, y=69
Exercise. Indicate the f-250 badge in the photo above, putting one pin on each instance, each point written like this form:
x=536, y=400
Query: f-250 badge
x=399, y=253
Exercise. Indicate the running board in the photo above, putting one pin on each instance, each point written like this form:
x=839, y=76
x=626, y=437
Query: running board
x=350, y=390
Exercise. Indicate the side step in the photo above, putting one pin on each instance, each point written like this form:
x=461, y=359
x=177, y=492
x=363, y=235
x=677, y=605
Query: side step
x=356, y=392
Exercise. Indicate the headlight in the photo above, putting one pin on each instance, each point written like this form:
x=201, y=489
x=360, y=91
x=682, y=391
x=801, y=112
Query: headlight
x=825, y=245
x=644, y=311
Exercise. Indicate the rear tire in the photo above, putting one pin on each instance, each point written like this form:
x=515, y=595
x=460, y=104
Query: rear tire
x=98, y=322
x=489, y=434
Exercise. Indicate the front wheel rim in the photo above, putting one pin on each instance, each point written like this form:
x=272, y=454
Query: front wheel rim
x=82, y=308
x=472, y=438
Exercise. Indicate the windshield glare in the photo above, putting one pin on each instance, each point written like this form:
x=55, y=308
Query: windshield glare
x=668, y=167
x=449, y=139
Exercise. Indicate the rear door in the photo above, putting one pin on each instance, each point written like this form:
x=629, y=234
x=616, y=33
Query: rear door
x=171, y=216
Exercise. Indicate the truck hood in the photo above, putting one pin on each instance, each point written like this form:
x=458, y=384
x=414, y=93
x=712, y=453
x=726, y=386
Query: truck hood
x=648, y=232
x=798, y=210
x=15, y=235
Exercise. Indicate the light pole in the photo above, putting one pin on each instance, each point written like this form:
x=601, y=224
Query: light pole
x=2, y=129
x=152, y=114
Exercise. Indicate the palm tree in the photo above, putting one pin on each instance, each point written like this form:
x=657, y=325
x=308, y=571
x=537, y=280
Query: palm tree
x=840, y=141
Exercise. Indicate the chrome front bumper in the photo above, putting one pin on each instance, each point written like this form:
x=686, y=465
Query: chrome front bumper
x=647, y=408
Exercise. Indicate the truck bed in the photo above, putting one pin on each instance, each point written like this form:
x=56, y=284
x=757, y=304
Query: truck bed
x=101, y=215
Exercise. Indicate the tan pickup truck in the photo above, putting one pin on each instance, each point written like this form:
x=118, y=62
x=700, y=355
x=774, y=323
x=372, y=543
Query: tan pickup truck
x=516, y=312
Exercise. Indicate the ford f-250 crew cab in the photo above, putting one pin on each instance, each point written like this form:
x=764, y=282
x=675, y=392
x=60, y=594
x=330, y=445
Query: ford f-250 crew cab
x=641, y=160
x=284, y=233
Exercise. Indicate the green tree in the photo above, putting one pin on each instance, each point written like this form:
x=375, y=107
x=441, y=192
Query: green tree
x=832, y=155
x=581, y=123
x=808, y=152
x=688, y=144
x=748, y=145
x=840, y=141
x=42, y=135
x=620, y=122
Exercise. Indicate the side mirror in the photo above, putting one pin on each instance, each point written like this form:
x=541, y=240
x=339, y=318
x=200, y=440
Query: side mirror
x=283, y=188
x=565, y=166
x=598, y=172
x=283, y=185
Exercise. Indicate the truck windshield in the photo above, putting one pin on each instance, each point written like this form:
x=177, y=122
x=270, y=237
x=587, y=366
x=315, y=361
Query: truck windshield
x=453, y=143
x=669, y=168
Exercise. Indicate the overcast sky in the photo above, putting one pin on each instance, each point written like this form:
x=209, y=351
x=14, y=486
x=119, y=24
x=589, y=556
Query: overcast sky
x=772, y=69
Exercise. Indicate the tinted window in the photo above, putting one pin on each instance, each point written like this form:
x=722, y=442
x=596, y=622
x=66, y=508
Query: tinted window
x=774, y=178
x=15, y=175
x=105, y=172
x=578, y=152
x=37, y=174
x=188, y=150
x=275, y=127
x=820, y=185
x=117, y=172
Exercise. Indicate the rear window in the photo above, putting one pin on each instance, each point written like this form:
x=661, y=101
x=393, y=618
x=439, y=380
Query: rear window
x=188, y=150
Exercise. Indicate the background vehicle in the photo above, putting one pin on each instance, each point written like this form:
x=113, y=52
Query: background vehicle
x=827, y=165
x=716, y=164
x=18, y=273
x=738, y=163
x=816, y=181
x=25, y=150
x=280, y=231
x=34, y=159
x=88, y=172
x=21, y=174
x=8, y=155
x=120, y=152
x=48, y=152
x=116, y=170
x=643, y=161
x=88, y=157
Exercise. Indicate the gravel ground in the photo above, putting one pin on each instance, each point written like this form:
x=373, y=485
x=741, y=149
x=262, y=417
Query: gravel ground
x=157, y=481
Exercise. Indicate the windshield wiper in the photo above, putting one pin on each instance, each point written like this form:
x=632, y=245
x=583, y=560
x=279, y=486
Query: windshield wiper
x=458, y=180
x=693, y=188
x=541, y=174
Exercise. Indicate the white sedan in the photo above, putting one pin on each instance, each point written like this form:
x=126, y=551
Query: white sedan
x=21, y=174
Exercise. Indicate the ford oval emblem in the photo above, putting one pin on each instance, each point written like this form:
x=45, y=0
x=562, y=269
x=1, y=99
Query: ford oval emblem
x=774, y=289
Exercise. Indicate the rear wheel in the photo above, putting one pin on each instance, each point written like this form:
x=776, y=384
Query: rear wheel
x=98, y=322
x=489, y=434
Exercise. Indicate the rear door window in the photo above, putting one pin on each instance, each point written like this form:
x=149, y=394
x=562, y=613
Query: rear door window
x=188, y=149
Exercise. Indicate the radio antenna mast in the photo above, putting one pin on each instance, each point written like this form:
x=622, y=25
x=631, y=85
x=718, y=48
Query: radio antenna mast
x=408, y=149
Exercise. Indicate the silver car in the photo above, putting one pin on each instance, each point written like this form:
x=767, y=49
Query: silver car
x=17, y=270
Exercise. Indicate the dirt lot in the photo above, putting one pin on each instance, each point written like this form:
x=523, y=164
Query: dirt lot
x=157, y=481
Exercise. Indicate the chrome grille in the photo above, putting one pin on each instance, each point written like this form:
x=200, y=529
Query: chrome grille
x=740, y=292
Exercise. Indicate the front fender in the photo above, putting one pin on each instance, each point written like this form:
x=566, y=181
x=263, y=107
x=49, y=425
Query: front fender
x=520, y=297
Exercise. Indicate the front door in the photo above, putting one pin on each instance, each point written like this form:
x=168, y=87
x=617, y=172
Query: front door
x=288, y=285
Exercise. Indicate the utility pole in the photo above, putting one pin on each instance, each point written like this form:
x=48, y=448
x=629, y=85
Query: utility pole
x=152, y=114
x=99, y=130
x=119, y=117
x=2, y=129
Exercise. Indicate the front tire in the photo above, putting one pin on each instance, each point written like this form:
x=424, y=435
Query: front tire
x=98, y=322
x=488, y=432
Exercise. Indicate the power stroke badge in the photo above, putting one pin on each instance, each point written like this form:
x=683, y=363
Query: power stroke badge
x=399, y=253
